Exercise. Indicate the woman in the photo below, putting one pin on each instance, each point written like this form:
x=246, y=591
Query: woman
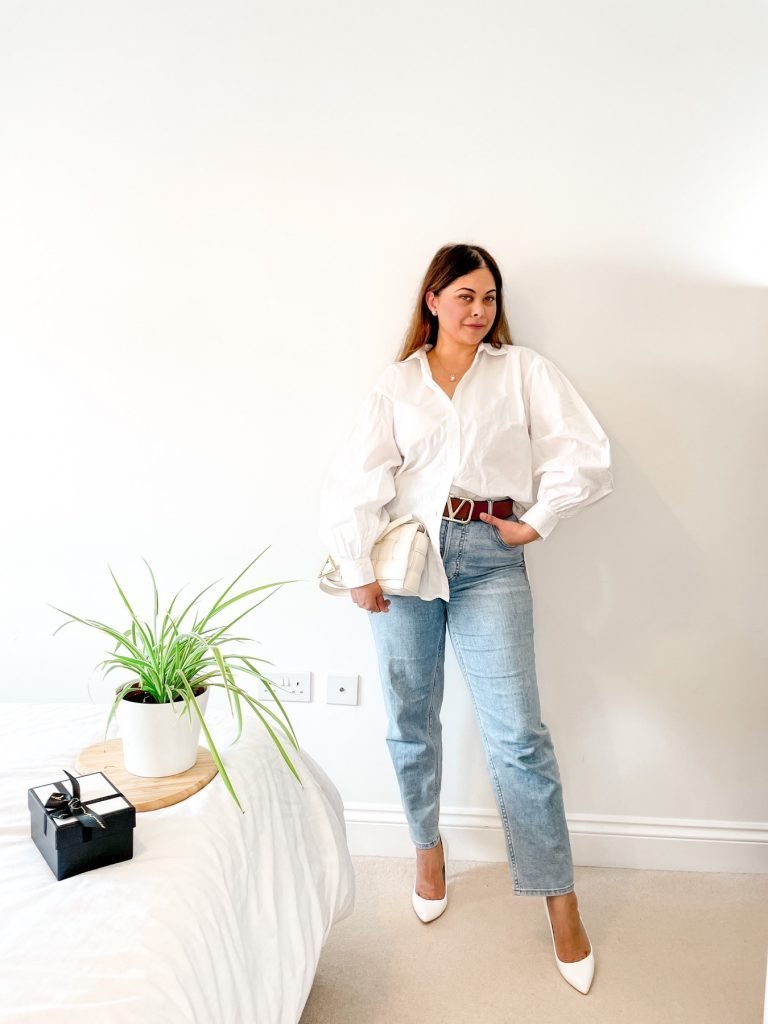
x=465, y=431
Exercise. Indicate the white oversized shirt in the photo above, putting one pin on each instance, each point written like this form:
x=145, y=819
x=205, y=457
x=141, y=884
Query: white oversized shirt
x=515, y=427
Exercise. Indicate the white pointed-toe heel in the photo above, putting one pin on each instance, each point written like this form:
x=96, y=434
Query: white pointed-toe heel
x=578, y=973
x=428, y=910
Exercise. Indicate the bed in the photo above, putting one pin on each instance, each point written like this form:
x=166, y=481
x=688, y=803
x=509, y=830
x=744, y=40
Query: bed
x=219, y=918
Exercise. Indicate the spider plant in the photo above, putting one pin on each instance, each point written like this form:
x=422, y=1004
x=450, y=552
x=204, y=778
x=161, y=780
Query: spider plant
x=171, y=659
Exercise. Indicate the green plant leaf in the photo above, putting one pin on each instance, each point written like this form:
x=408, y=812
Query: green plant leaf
x=214, y=752
x=194, y=601
x=154, y=590
x=121, y=638
x=249, y=610
x=126, y=633
x=238, y=712
x=254, y=705
x=253, y=590
x=120, y=660
x=246, y=658
x=215, y=608
x=169, y=617
x=227, y=677
x=268, y=684
x=67, y=623
x=250, y=698
x=149, y=646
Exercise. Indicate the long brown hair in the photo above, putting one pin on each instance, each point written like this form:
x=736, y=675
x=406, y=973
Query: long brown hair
x=448, y=263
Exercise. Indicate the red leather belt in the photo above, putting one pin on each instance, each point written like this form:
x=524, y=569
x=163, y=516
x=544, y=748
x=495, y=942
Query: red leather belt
x=462, y=510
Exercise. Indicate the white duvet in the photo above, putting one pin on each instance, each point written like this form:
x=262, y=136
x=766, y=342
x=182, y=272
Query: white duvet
x=219, y=918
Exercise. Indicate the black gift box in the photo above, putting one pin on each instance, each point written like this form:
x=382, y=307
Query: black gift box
x=69, y=836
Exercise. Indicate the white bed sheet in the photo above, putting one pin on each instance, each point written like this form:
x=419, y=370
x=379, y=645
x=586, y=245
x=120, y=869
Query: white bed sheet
x=219, y=918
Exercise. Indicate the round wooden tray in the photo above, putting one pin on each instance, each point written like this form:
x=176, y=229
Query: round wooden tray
x=146, y=794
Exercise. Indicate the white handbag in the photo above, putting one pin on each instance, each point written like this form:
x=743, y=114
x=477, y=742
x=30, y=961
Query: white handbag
x=398, y=558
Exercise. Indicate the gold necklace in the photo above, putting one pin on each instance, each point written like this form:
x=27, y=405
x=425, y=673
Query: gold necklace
x=451, y=376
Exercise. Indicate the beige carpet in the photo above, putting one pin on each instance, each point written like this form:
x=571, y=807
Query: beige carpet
x=670, y=948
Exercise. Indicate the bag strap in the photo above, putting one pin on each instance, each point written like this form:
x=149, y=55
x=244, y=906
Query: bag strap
x=334, y=591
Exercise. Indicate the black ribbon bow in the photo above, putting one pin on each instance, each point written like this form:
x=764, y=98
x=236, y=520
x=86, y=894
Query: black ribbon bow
x=62, y=805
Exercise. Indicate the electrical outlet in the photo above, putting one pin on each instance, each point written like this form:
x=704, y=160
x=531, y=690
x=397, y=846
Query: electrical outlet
x=341, y=690
x=289, y=686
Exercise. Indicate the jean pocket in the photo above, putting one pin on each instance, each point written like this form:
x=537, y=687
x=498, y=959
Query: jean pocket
x=500, y=540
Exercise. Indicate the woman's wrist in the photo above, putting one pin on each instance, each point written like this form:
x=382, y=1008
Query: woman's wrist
x=512, y=533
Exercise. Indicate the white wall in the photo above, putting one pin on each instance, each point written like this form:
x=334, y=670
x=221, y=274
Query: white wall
x=214, y=222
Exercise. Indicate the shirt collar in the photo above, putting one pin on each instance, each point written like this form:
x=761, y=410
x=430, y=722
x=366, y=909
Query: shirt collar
x=485, y=346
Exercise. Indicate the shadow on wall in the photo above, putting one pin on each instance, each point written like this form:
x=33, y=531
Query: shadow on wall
x=649, y=607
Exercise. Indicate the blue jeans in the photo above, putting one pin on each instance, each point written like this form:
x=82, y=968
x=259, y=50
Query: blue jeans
x=490, y=622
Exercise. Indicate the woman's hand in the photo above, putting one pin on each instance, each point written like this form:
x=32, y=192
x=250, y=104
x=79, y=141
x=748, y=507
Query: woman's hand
x=511, y=532
x=370, y=598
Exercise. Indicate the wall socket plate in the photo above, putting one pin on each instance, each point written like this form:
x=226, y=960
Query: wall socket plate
x=289, y=686
x=341, y=690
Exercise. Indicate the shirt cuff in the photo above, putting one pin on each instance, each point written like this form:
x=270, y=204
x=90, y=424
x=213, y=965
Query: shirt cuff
x=541, y=518
x=357, y=572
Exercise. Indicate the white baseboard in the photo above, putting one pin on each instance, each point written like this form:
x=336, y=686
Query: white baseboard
x=655, y=844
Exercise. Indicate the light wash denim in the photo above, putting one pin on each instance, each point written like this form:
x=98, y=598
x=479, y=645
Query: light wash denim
x=490, y=622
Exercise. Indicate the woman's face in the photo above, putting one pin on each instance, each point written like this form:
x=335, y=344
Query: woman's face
x=470, y=299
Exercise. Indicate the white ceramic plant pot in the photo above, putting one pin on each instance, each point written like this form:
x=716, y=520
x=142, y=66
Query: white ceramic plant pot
x=157, y=739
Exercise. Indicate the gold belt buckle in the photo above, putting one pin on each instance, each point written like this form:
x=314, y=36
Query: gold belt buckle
x=452, y=517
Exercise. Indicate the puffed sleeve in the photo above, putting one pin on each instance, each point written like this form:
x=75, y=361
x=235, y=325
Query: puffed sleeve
x=570, y=452
x=356, y=486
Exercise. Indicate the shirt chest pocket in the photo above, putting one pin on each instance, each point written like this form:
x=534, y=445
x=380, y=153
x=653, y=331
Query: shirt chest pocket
x=494, y=429
x=419, y=429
